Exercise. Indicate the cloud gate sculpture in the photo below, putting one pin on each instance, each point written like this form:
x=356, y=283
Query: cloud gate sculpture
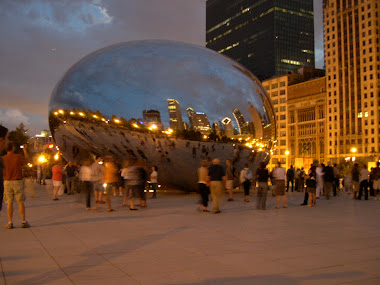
x=161, y=101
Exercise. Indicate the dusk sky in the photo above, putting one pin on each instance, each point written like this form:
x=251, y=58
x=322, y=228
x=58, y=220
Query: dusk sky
x=41, y=39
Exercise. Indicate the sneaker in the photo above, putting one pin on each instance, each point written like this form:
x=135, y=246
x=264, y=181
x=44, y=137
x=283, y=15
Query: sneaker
x=25, y=225
x=9, y=226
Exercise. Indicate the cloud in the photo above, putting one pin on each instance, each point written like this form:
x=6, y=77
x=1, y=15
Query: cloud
x=12, y=117
x=45, y=38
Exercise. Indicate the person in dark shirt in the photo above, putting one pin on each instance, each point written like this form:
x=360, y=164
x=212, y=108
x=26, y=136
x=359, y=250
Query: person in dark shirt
x=216, y=176
x=290, y=178
x=71, y=172
x=3, y=146
x=262, y=175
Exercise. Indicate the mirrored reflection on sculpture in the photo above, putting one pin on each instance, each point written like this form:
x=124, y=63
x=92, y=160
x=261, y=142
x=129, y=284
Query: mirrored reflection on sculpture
x=156, y=101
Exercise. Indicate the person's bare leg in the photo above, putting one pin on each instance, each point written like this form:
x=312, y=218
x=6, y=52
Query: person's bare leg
x=231, y=194
x=21, y=209
x=125, y=198
x=96, y=196
x=108, y=201
x=310, y=200
x=10, y=212
x=100, y=196
x=131, y=203
x=285, y=200
x=55, y=191
x=278, y=201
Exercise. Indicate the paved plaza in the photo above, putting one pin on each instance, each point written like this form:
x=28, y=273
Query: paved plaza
x=170, y=242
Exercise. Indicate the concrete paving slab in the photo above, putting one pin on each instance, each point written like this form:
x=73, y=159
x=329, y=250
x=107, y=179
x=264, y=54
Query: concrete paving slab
x=170, y=242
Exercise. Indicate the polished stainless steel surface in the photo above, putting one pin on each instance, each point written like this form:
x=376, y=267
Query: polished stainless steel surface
x=155, y=100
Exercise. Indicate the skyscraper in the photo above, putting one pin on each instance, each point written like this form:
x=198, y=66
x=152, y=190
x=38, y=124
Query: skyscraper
x=352, y=54
x=152, y=116
x=175, y=115
x=198, y=121
x=243, y=127
x=269, y=37
x=228, y=128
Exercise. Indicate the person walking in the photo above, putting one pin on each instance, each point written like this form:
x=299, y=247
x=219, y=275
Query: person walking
x=336, y=179
x=86, y=176
x=3, y=146
x=355, y=180
x=376, y=180
x=290, y=178
x=262, y=175
x=97, y=177
x=363, y=182
x=328, y=180
x=110, y=179
x=245, y=180
x=319, y=171
x=57, y=179
x=204, y=190
x=154, y=181
x=216, y=176
x=230, y=176
x=71, y=172
x=279, y=176
x=137, y=183
x=311, y=185
x=13, y=183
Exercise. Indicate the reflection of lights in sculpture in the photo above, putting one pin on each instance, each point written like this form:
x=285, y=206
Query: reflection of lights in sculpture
x=143, y=106
x=42, y=159
x=56, y=157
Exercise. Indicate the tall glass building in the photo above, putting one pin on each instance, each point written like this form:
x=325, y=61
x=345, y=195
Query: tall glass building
x=269, y=37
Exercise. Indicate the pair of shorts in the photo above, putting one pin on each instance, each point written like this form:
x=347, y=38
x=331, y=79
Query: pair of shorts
x=280, y=188
x=14, y=190
x=108, y=190
x=312, y=190
x=229, y=184
x=57, y=183
x=98, y=186
x=376, y=184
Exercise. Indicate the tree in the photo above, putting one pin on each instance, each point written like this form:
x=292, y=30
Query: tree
x=18, y=136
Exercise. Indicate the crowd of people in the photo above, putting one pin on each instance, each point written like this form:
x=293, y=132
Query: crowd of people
x=320, y=179
x=107, y=177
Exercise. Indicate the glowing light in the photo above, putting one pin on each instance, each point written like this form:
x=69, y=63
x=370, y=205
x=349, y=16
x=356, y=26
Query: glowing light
x=135, y=125
x=51, y=146
x=153, y=127
x=103, y=119
x=287, y=152
x=61, y=112
x=95, y=116
x=30, y=165
x=42, y=159
x=55, y=113
x=56, y=157
x=354, y=150
x=116, y=121
x=205, y=137
x=354, y=158
x=72, y=113
x=105, y=185
x=81, y=114
x=170, y=130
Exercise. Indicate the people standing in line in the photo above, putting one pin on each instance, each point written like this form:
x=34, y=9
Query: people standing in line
x=111, y=179
x=3, y=146
x=328, y=180
x=204, y=190
x=154, y=181
x=86, y=177
x=231, y=173
x=97, y=177
x=363, y=182
x=71, y=172
x=376, y=180
x=336, y=179
x=355, y=180
x=311, y=185
x=13, y=183
x=279, y=176
x=262, y=176
x=319, y=171
x=290, y=178
x=57, y=179
x=216, y=176
x=245, y=180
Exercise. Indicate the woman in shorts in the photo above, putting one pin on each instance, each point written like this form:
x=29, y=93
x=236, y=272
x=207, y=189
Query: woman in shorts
x=57, y=179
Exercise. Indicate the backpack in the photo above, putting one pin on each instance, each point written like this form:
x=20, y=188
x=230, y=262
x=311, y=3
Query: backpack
x=248, y=174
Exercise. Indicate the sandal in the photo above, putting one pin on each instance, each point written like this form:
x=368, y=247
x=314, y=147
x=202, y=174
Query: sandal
x=111, y=210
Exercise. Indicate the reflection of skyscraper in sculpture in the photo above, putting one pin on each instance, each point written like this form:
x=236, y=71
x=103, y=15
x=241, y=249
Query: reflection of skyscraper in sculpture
x=228, y=129
x=198, y=121
x=257, y=122
x=269, y=125
x=215, y=127
x=152, y=117
x=242, y=126
x=175, y=115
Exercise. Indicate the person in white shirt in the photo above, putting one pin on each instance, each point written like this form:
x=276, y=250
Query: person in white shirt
x=85, y=175
x=319, y=171
x=153, y=181
x=279, y=175
x=363, y=182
